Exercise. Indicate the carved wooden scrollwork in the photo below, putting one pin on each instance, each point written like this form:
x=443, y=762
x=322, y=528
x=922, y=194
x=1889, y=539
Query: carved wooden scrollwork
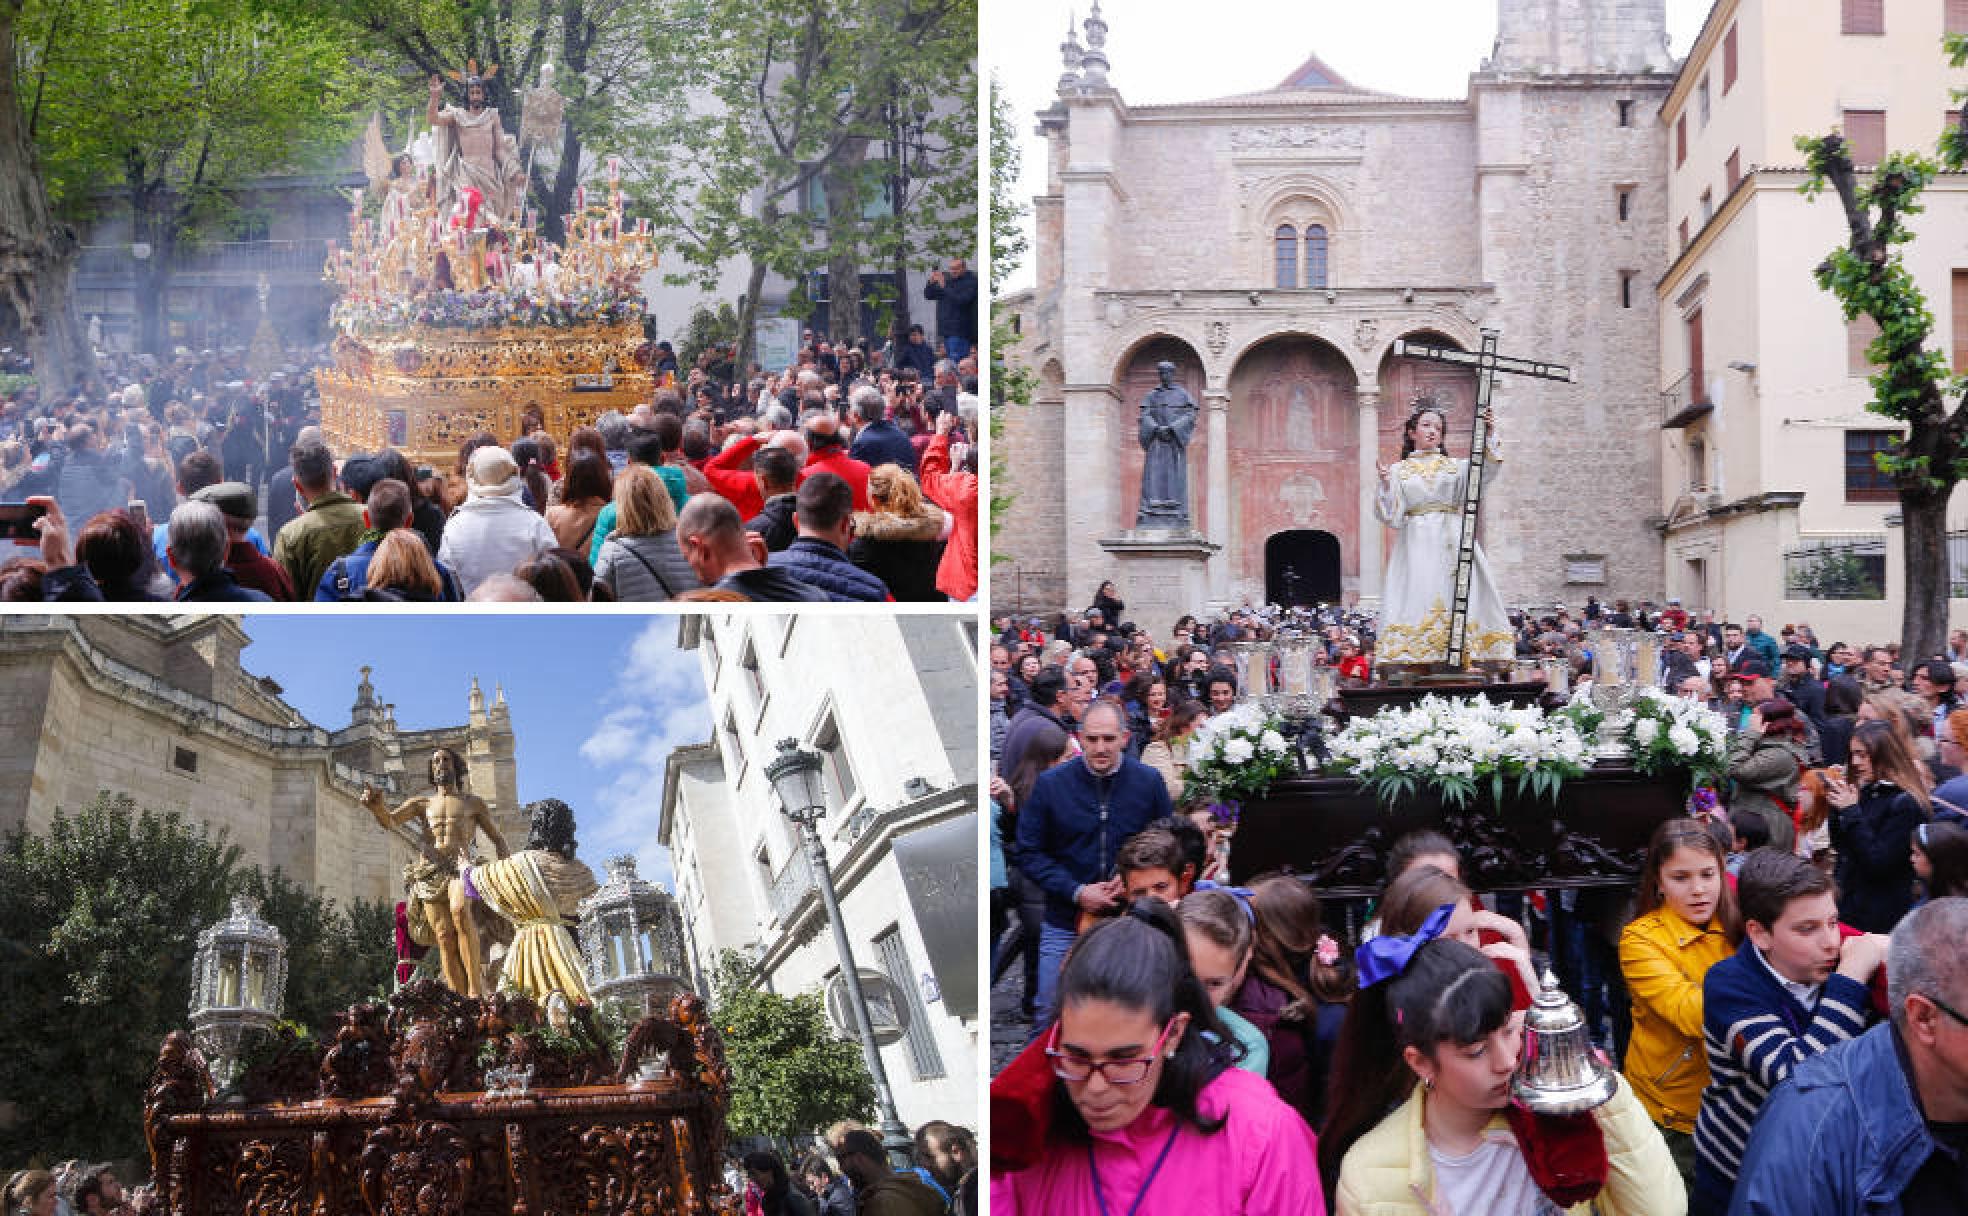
x=421, y=1169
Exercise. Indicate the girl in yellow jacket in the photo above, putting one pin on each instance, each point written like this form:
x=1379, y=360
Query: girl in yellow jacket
x=1687, y=924
x=1432, y=1038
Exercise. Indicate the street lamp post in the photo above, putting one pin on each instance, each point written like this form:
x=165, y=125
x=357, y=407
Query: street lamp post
x=795, y=777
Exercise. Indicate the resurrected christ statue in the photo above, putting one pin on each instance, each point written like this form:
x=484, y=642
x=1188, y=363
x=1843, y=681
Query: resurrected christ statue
x=473, y=149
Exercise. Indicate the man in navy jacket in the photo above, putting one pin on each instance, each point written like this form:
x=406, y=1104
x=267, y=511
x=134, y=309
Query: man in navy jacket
x=880, y=441
x=1072, y=826
x=1794, y=989
x=1875, y=1125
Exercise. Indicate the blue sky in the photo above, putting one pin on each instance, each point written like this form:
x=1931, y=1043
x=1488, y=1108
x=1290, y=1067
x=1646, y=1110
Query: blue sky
x=598, y=700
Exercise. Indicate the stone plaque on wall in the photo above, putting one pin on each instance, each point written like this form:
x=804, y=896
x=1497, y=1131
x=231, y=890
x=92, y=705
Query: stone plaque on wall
x=1585, y=568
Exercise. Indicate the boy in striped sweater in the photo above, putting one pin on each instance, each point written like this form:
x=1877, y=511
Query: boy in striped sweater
x=1793, y=989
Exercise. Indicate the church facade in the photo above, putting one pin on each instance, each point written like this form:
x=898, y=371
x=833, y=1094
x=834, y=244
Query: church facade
x=1274, y=246
x=158, y=708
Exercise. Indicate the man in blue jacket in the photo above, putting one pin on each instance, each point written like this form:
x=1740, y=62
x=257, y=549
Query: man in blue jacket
x=823, y=510
x=1072, y=826
x=880, y=441
x=1880, y=1124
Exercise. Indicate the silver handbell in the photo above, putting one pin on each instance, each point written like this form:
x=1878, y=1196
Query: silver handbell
x=1560, y=1073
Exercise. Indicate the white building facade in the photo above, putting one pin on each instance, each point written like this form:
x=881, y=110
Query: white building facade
x=890, y=703
x=1770, y=498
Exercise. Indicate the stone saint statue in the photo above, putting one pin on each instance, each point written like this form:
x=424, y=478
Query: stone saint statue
x=440, y=911
x=537, y=890
x=473, y=149
x=1168, y=422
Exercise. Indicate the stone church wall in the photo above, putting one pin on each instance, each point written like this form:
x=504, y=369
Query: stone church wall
x=1554, y=246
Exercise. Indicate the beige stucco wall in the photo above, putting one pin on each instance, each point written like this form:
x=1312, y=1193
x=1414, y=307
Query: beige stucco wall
x=1780, y=429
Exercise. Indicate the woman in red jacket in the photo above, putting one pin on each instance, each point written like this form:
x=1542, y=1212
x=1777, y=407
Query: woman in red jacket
x=955, y=492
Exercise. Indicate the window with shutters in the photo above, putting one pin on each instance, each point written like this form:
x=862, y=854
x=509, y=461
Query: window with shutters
x=1285, y=255
x=925, y=1061
x=1865, y=132
x=1862, y=17
x=1957, y=17
x=1728, y=61
x=1732, y=171
x=1959, y=321
x=1863, y=480
x=1859, y=335
x=1697, y=359
x=1681, y=141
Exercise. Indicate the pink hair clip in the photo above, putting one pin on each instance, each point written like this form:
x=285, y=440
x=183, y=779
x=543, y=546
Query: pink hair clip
x=1327, y=950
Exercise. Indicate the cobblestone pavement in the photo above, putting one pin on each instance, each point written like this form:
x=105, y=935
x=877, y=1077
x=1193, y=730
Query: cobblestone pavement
x=1009, y=1029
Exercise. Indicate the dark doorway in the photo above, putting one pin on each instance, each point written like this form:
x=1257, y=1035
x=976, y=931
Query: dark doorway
x=1301, y=567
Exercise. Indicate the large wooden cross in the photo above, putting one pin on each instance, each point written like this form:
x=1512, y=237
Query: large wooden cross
x=1487, y=364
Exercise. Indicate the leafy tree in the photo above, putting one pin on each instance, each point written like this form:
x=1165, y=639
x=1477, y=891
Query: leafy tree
x=164, y=109
x=335, y=956
x=39, y=253
x=707, y=328
x=1913, y=386
x=1009, y=382
x=99, y=919
x=799, y=91
x=791, y=1075
x=615, y=63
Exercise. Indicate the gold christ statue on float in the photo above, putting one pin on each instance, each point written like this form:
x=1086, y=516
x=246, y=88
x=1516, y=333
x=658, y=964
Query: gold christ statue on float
x=440, y=912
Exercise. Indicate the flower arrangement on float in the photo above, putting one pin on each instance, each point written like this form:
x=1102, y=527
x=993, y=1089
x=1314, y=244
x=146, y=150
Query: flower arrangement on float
x=1238, y=754
x=489, y=309
x=1664, y=733
x=1457, y=746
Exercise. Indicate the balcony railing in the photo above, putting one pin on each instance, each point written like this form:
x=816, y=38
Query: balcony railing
x=1684, y=401
x=791, y=886
x=241, y=260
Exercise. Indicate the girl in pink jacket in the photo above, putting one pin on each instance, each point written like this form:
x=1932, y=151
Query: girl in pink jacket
x=1148, y=1115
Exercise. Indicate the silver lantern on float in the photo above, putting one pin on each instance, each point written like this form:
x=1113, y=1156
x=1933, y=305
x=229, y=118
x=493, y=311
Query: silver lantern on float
x=238, y=986
x=631, y=942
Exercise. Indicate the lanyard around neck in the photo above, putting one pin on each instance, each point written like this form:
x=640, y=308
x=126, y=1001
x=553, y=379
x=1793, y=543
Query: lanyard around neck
x=1142, y=1194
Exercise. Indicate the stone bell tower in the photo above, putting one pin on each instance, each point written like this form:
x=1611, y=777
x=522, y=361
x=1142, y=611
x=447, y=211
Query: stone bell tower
x=1563, y=37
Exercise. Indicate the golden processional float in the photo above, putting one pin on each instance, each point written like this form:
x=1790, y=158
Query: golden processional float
x=450, y=321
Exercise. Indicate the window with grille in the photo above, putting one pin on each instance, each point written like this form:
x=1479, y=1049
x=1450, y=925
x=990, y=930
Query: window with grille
x=1841, y=568
x=1728, y=60
x=925, y=1061
x=1862, y=17
x=1284, y=247
x=1864, y=481
x=1315, y=256
x=1865, y=134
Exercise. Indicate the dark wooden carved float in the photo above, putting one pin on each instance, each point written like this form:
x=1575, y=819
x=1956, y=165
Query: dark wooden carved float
x=390, y=1117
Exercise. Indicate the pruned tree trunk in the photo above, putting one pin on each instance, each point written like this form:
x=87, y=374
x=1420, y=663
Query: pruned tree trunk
x=843, y=242
x=37, y=254
x=748, y=307
x=1924, y=616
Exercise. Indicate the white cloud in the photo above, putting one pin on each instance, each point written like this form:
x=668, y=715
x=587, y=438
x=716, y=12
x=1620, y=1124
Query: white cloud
x=657, y=704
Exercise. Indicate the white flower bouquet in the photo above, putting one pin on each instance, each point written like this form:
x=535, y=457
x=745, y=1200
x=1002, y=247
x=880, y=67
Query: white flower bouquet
x=1665, y=732
x=1238, y=754
x=1456, y=746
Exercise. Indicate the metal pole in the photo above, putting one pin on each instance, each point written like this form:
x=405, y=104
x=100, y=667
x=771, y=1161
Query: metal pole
x=895, y=1137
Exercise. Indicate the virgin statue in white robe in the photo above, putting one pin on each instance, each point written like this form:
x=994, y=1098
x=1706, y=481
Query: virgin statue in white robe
x=1421, y=499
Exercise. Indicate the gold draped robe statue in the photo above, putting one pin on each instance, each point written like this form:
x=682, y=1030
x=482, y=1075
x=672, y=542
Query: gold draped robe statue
x=537, y=891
